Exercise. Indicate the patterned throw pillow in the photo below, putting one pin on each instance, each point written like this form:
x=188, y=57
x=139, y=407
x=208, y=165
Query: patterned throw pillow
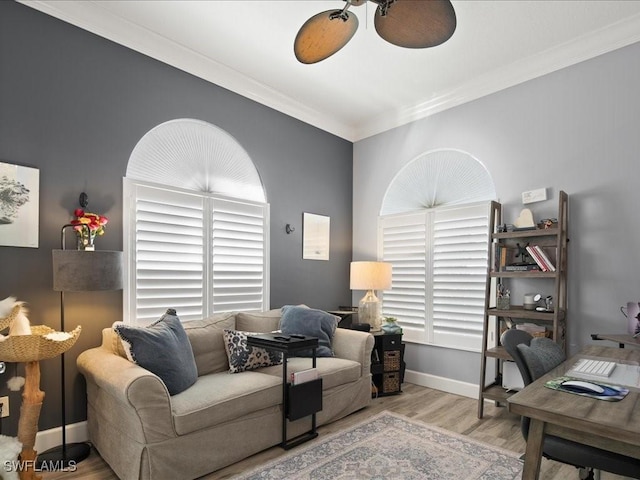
x=242, y=357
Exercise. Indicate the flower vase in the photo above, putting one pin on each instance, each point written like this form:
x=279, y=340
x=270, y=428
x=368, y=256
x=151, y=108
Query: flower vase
x=85, y=242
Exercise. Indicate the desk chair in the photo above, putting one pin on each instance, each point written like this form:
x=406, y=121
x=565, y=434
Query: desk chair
x=534, y=358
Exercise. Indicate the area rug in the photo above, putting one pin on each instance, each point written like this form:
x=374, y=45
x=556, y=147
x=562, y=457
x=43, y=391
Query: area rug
x=390, y=446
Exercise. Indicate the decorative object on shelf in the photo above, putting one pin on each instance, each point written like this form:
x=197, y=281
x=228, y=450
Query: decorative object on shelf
x=87, y=225
x=390, y=325
x=403, y=23
x=19, y=205
x=524, y=220
x=503, y=301
x=547, y=223
x=29, y=345
x=370, y=276
x=78, y=271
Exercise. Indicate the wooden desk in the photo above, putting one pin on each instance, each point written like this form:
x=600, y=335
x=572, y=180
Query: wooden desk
x=621, y=340
x=613, y=426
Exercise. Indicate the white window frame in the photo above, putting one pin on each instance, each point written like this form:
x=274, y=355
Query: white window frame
x=131, y=303
x=425, y=276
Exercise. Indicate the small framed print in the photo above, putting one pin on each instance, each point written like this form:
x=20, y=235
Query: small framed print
x=316, y=235
x=19, y=205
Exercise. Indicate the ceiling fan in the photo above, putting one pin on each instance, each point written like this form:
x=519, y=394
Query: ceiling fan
x=405, y=23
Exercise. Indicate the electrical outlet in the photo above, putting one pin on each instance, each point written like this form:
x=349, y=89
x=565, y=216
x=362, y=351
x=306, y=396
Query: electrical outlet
x=4, y=402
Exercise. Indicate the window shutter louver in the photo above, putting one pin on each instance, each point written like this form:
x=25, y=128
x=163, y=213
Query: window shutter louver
x=169, y=253
x=198, y=253
x=459, y=275
x=439, y=259
x=403, y=245
x=238, y=256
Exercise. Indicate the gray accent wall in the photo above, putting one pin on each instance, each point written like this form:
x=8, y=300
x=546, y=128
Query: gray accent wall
x=74, y=105
x=575, y=130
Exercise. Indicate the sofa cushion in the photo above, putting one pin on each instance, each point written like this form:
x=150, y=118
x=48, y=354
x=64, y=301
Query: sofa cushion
x=334, y=371
x=243, y=357
x=162, y=348
x=308, y=321
x=206, y=338
x=219, y=398
x=261, y=322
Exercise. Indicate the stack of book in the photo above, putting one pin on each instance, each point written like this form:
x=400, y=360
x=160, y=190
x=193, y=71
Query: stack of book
x=541, y=258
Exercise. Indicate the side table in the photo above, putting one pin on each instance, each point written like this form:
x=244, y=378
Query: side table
x=387, y=362
x=300, y=400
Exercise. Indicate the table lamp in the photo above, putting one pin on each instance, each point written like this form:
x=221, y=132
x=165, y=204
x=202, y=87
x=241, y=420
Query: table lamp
x=370, y=276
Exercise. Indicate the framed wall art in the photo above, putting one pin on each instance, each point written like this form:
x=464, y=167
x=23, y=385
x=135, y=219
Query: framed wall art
x=315, y=237
x=19, y=205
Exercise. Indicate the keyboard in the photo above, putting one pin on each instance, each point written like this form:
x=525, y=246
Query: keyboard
x=597, y=368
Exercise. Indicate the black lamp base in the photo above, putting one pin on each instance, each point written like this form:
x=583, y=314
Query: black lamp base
x=59, y=458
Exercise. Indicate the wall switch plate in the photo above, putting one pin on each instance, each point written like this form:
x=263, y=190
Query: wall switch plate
x=534, y=195
x=4, y=401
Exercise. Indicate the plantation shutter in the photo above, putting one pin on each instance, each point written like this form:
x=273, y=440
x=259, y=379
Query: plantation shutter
x=460, y=237
x=404, y=240
x=169, y=253
x=238, y=255
x=439, y=259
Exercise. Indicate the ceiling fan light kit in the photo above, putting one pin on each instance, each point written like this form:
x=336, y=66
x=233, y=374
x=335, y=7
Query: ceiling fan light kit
x=405, y=23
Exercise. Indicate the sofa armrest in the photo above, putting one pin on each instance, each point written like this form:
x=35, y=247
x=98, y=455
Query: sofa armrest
x=134, y=398
x=354, y=345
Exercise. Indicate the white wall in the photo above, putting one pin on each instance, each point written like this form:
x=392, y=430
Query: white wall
x=576, y=130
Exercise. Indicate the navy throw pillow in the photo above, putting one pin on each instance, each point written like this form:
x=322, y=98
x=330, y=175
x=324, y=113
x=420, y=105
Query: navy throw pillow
x=162, y=348
x=311, y=322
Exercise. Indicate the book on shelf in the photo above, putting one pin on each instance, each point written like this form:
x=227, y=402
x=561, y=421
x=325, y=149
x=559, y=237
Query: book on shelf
x=549, y=264
x=533, y=252
x=521, y=268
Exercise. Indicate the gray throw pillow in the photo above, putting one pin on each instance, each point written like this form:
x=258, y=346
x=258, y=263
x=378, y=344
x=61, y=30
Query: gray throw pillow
x=541, y=355
x=162, y=348
x=314, y=323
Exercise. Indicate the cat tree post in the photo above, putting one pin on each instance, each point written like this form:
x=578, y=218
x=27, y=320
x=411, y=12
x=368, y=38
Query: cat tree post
x=32, y=398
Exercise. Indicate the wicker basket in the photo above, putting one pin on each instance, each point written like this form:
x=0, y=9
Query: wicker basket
x=35, y=347
x=391, y=382
x=392, y=360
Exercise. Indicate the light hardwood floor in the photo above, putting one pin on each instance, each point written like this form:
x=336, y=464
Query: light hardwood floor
x=452, y=412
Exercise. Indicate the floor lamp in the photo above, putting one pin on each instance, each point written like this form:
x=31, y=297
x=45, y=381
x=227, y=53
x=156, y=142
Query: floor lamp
x=78, y=271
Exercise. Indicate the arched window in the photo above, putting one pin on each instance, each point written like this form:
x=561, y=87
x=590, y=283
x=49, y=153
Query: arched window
x=195, y=225
x=433, y=228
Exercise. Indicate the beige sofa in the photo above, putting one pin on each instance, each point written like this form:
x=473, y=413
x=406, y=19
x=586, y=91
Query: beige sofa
x=144, y=433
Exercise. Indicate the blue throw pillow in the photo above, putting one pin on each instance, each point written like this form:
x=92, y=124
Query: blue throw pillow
x=311, y=322
x=162, y=348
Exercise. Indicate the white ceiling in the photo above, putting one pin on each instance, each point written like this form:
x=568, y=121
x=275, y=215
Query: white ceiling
x=370, y=85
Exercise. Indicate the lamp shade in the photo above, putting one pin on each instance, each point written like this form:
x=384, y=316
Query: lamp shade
x=370, y=275
x=86, y=271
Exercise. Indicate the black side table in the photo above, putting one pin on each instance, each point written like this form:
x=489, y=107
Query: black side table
x=300, y=400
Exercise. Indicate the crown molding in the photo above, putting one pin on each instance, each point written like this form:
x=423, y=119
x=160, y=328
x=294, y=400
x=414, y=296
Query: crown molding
x=612, y=37
x=93, y=18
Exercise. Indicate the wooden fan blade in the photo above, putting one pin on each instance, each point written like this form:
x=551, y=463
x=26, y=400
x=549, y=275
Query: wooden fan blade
x=323, y=35
x=416, y=23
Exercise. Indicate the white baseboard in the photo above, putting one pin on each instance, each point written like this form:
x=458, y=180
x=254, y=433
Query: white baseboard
x=442, y=383
x=47, y=439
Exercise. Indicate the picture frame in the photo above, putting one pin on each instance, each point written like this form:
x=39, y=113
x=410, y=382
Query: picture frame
x=316, y=236
x=19, y=206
